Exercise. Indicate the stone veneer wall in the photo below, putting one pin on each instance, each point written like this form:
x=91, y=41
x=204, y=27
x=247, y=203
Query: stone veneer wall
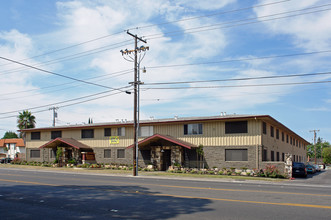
x=215, y=157
x=99, y=155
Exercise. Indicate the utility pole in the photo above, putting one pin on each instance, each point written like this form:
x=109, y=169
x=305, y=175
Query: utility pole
x=136, y=84
x=315, y=131
x=54, y=114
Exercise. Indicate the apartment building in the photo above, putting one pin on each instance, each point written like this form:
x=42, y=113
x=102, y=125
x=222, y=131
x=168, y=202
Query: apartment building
x=228, y=141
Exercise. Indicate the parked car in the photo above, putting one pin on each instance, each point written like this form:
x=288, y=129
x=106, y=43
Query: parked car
x=310, y=168
x=6, y=160
x=317, y=168
x=299, y=169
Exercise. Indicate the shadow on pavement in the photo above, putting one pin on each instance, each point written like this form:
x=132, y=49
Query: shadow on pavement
x=93, y=202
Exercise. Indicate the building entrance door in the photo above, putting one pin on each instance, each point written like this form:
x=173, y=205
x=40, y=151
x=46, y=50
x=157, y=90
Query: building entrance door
x=166, y=159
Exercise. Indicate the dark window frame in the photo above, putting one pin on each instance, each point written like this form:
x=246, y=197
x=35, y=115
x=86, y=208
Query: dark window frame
x=189, y=129
x=272, y=131
x=264, y=128
x=236, y=127
x=35, y=153
x=283, y=136
x=56, y=134
x=272, y=155
x=229, y=154
x=120, y=153
x=35, y=135
x=277, y=134
x=107, y=132
x=107, y=153
x=87, y=133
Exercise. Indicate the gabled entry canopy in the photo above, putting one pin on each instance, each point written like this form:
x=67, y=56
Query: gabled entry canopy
x=157, y=137
x=67, y=142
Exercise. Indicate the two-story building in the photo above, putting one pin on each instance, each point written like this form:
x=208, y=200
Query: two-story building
x=12, y=148
x=250, y=141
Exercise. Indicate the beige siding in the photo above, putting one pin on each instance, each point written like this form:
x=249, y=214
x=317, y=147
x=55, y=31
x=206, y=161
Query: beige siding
x=277, y=145
x=213, y=135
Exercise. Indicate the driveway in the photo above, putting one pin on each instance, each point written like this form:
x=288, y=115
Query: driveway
x=322, y=178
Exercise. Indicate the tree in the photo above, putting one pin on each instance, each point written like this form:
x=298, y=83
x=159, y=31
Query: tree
x=10, y=135
x=327, y=155
x=200, y=154
x=26, y=120
x=320, y=145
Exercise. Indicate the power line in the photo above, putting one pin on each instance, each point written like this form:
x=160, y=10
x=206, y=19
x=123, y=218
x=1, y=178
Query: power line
x=80, y=102
x=239, y=60
x=240, y=79
x=119, y=73
x=57, y=74
x=147, y=26
x=208, y=15
x=70, y=57
x=208, y=27
x=235, y=86
x=57, y=103
x=74, y=56
x=72, y=46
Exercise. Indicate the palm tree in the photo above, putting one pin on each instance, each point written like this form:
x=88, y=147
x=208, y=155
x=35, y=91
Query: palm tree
x=25, y=120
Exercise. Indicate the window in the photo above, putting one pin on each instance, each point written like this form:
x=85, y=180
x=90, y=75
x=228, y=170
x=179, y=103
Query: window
x=107, y=153
x=287, y=138
x=264, y=155
x=52, y=153
x=277, y=133
x=192, y=129
x=271, y=131
x=56, y=134
x=283, y=157
x=88, y=133
x=145, y=155
x=145, y=131
x=107, y=132
x=272, y=155
x=277, y=156
x=291, y=140
x=235, y=127
x=264, y=128
x=236, y=155
x=35, y=135
x=121, y=131
x=283, y=136
x=120, y=153
x=34, y=153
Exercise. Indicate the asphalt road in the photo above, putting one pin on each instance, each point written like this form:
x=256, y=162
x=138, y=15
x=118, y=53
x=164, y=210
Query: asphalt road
x=32, y=194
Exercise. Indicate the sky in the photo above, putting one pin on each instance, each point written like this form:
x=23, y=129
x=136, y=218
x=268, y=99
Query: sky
x=265, y=57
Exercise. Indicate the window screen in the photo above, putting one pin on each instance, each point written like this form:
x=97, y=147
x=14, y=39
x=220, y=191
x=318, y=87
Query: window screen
x=56, y=134
x=236, y=155
x=235, y=127
x=88, y=133
x=107, y=153
x=35, y=135
x=190, y=129
x=107, y=132
x=34, y=153
x=120, y=153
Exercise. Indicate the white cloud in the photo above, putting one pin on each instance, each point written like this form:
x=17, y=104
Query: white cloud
x=310, y=31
